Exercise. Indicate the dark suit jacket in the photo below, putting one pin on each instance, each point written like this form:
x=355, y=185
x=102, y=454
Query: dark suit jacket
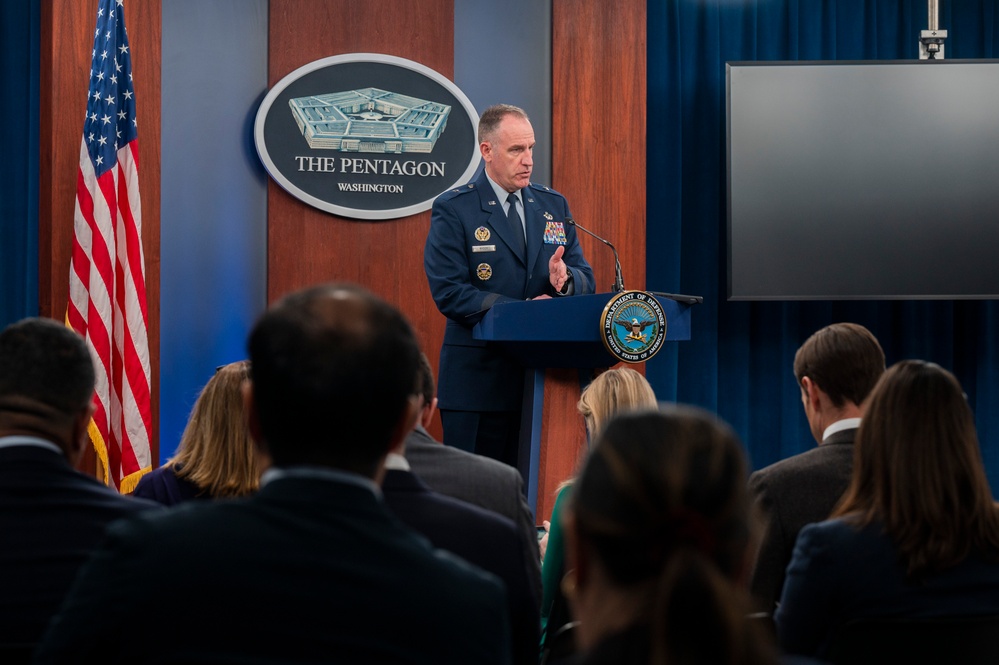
x=481, y=481
x=794, y=492
x=471, y=265
x=51, y=519
x=840, y=573
x=479, y=536
x=308, y=570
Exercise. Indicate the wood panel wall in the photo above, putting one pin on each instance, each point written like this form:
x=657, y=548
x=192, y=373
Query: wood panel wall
x=598, y=162
x=66, y=42
x=309, y=246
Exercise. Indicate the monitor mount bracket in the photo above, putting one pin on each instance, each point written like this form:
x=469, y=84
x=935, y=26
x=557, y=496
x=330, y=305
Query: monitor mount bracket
x=931, y=42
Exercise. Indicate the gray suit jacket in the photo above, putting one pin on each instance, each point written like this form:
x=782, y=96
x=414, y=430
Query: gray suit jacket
x=478, y=480
x=791, y=493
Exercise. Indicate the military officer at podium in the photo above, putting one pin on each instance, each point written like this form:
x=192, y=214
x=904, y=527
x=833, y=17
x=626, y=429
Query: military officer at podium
x=497, y=239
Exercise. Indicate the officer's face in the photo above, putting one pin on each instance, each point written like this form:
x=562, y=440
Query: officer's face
x=509, y=154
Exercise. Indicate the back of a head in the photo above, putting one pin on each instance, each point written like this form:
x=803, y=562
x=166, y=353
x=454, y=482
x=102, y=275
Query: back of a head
x=663, y=504
x=844, y=359
x=333, y=369
x=46, y=370
x=216, y=452
x=613, y=392
x=918, y=469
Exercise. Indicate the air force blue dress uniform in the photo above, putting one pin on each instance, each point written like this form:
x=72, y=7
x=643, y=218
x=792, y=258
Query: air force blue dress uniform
x=473, y=262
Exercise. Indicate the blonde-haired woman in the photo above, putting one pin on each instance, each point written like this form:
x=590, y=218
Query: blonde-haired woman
x=615, y=391
x=216, y=457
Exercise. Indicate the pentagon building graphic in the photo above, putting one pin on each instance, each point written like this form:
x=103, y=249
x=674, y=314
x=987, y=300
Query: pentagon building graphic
x=369, y=120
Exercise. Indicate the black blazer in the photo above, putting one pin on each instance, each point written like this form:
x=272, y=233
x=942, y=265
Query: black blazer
x=51, y=519
x=308, y=570
x=799, y=490
x=481, y=481
x=482, y=538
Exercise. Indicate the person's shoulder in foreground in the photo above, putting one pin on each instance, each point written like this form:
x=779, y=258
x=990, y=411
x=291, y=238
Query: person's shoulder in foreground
x=51, y=516
x=279, y=581
x=481, y=537
x=466, y=476
x=313, y=566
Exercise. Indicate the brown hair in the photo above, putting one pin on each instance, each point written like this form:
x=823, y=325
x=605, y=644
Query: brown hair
x=663, y=505
x=491, y=118
x=425, y=387
x=215, y=451
x=917, y=470
x=614, y=391
x=844, y=359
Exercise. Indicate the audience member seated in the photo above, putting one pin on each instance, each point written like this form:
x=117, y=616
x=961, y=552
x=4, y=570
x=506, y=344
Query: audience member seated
x=477, y=479
x=917, y=532
x=614, y=391
x=216, y=456
x=312, y=568
x=657, y=540
x=51, y=516
x=481, y=537
x=836, y=369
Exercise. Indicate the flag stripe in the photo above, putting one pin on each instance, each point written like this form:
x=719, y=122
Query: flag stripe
x=107, y=302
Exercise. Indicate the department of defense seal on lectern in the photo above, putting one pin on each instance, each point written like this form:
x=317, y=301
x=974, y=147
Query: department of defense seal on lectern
x=633, y=326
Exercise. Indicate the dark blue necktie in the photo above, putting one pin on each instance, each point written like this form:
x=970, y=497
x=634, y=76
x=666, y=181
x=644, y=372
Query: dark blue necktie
x=516, y=225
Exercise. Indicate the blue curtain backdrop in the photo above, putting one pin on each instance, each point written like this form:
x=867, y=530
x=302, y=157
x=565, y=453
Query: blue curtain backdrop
x=19, y=52
x=738, y=363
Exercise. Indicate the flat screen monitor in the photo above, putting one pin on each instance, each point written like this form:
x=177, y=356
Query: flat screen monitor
x=863, y=180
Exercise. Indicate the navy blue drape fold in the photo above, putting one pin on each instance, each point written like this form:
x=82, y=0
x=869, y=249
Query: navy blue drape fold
x=20, y=34
x=738, y=362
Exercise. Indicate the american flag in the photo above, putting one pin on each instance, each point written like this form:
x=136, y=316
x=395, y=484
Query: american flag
x=107, y=290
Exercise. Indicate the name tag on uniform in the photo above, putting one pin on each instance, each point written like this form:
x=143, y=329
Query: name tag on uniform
x=483, y=248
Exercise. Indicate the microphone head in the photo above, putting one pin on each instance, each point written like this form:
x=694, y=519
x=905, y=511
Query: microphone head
x=570, y=221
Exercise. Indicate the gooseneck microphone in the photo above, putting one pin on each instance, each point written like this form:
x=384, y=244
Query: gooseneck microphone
x=618, y=286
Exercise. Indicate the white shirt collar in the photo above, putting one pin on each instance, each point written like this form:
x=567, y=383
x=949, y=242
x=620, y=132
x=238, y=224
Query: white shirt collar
x=840, y=425
x=322, y=473
x=502, y=194
x=10, y=441
x=396, y=462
